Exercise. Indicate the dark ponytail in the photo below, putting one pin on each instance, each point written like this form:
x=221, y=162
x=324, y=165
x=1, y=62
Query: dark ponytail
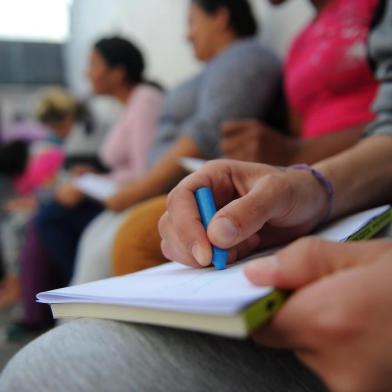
x=242, y=19
x=119, y=52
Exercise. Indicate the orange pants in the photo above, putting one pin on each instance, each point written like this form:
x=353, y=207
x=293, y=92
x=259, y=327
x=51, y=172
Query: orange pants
x=137, y=243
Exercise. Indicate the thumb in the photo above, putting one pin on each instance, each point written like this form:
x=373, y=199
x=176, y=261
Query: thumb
x=310, y=259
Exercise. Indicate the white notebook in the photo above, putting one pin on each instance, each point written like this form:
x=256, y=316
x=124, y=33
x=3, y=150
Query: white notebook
x=95, y=186
x=219, y=302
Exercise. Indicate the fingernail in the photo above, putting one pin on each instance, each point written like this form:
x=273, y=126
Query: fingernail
x=201, y=255
x=265, y=268
x=224, y=232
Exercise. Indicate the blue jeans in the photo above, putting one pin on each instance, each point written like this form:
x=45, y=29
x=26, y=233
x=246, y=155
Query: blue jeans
x=60, y=229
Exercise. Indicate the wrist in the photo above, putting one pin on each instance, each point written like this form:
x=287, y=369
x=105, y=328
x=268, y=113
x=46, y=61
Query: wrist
x=324, y=193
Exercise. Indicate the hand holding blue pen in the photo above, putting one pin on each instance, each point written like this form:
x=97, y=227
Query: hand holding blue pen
x=207, y=210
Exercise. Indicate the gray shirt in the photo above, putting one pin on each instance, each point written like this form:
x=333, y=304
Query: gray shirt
x=380, y=48
x=241, y=82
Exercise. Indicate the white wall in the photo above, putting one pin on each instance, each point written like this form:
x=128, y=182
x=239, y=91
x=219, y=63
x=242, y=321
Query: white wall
x=158, y=27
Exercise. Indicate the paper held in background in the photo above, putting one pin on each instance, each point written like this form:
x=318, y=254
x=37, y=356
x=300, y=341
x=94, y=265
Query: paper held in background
x=95, y=186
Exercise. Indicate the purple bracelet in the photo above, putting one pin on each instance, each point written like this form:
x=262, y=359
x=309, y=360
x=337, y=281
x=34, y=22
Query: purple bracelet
x=326, y=184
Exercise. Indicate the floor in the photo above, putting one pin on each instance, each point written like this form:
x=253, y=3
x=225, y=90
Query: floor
x=7, y=349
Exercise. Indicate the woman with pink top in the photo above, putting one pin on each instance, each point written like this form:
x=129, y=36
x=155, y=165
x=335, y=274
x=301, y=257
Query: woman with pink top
x=116, y=69
x=329, y=87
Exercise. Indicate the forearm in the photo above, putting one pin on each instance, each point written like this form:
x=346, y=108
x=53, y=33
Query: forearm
x=315, y=150
x=361, y=176
x=161, y=178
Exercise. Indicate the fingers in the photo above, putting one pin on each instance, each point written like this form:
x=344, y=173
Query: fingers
x=235, y=145
x=181, y=229
x=310, y=259
x=184, y=237
x=238, y=137
x=233, y=127
x=242, y=218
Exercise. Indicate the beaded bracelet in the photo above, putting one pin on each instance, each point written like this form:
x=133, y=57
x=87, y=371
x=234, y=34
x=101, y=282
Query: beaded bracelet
x=325, y=183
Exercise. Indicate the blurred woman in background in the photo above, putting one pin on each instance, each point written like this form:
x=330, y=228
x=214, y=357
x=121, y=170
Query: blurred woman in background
x=116, y=69
x=223, y=35
x=33, y=168
x=329, y=87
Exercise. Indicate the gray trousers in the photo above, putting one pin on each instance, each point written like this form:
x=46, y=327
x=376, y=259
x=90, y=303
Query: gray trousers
x=94, y=355
x=12, y=235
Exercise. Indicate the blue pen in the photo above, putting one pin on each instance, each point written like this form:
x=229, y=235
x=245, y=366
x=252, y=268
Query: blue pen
x=207, y=210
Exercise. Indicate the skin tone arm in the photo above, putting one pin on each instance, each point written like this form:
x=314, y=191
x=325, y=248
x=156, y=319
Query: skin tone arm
x=264, y=205
x=160, y=179
x=362, y=175
x=253, y=141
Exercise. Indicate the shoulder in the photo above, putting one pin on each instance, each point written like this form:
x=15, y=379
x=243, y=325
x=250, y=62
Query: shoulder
x=246, y=54
x=146, y=92
x=144, y=97
x=185, y=90
x=188, y=85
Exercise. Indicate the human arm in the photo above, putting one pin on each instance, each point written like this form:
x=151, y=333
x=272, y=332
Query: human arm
x=263, y=205
x=254, y=141
x=361, y=176
x=23, y=203
x=158, y=180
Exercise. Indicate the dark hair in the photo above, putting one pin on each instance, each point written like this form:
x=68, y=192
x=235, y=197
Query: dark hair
x=242, y=19
x=14, y=158
x=119, y=52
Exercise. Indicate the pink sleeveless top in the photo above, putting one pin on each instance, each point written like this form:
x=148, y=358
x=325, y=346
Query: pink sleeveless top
x=41, y=171
x=329, y=83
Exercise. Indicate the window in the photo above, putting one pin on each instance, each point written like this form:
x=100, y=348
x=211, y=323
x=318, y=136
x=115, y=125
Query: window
x=34, y=20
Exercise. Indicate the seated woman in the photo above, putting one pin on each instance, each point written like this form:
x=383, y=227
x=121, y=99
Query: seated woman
x=329, y=86
x=338, y=329
x=222, y=33
x=33, y=167
x=116, y=69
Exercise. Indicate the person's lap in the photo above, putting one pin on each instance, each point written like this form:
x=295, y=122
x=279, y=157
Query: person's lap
x=96, y=355
x=137, y=244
